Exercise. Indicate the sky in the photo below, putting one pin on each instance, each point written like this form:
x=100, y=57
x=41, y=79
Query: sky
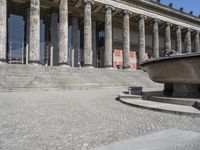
x=188, y=5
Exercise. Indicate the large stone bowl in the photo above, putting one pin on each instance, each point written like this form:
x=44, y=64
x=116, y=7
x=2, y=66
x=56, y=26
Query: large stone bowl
x=179, y=73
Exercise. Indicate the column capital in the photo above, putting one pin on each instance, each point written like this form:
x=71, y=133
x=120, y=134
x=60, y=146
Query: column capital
x=155, y=20
x=89, y=2
x=109, y=7
x=178, y=27
x=197, y=32
x=127, y=12
x=189, y=30
x=142, y=17
x=168, y=24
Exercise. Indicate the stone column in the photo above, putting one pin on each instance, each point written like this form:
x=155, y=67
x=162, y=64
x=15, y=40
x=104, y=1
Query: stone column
x=3, y=30
x=94, y=43
x=141, y=39
x=155, y=38
x=63, y=33
x=88, y=33
x=178, y=39
x=108, y=37
x=168, y=37
x=188, y=41
x=197, y=46
x=54, y=36
x=34, y=35
x=75, y=39
x=126, y=39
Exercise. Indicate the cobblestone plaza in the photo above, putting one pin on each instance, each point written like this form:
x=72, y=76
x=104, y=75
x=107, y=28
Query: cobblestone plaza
x=77, y=120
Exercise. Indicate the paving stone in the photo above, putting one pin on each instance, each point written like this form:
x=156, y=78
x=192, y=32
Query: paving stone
x=166, y=139
x=75, y=120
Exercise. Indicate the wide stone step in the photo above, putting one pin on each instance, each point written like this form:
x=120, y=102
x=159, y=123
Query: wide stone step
x=21, y=76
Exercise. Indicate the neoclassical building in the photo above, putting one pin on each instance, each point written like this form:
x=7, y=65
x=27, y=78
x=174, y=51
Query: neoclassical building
x=86, y=32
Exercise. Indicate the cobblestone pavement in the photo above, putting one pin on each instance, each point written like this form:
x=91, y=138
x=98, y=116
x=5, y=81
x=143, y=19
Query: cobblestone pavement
x=76, y=120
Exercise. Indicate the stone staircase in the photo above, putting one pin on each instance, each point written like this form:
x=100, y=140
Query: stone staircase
x=16, y=77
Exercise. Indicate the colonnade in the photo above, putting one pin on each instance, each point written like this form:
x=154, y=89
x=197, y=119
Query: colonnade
x=34, y=35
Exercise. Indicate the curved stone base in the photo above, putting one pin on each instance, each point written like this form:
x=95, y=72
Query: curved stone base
x=162, y=105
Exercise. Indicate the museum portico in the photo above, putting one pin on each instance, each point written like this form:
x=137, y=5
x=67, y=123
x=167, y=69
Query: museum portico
x=85, y=32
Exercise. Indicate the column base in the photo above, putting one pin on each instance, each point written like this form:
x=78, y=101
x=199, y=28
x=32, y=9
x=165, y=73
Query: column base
x=88, y=66
x=64, y=65
x=3, y=61
x=36, y=63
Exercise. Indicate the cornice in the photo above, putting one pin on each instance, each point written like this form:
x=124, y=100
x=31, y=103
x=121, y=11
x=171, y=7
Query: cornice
x=163, y=9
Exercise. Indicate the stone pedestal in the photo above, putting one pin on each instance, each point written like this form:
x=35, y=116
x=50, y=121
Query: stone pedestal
x=188, y=41
x=75, y=39
x=185, y=90
x=155, y=38
x=197, y=46
x=3, y=30
x=108, y=37
x=168, y=37
x=141, y=39
x=168, y=88
x=34, y=32
x=88, y=34
x=63, y=33
x=178, y=39
x=126, y=39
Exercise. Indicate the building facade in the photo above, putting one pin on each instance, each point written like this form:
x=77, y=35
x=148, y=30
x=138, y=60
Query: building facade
x=87, y=32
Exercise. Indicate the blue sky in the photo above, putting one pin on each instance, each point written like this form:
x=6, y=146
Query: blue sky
x=188, y=5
